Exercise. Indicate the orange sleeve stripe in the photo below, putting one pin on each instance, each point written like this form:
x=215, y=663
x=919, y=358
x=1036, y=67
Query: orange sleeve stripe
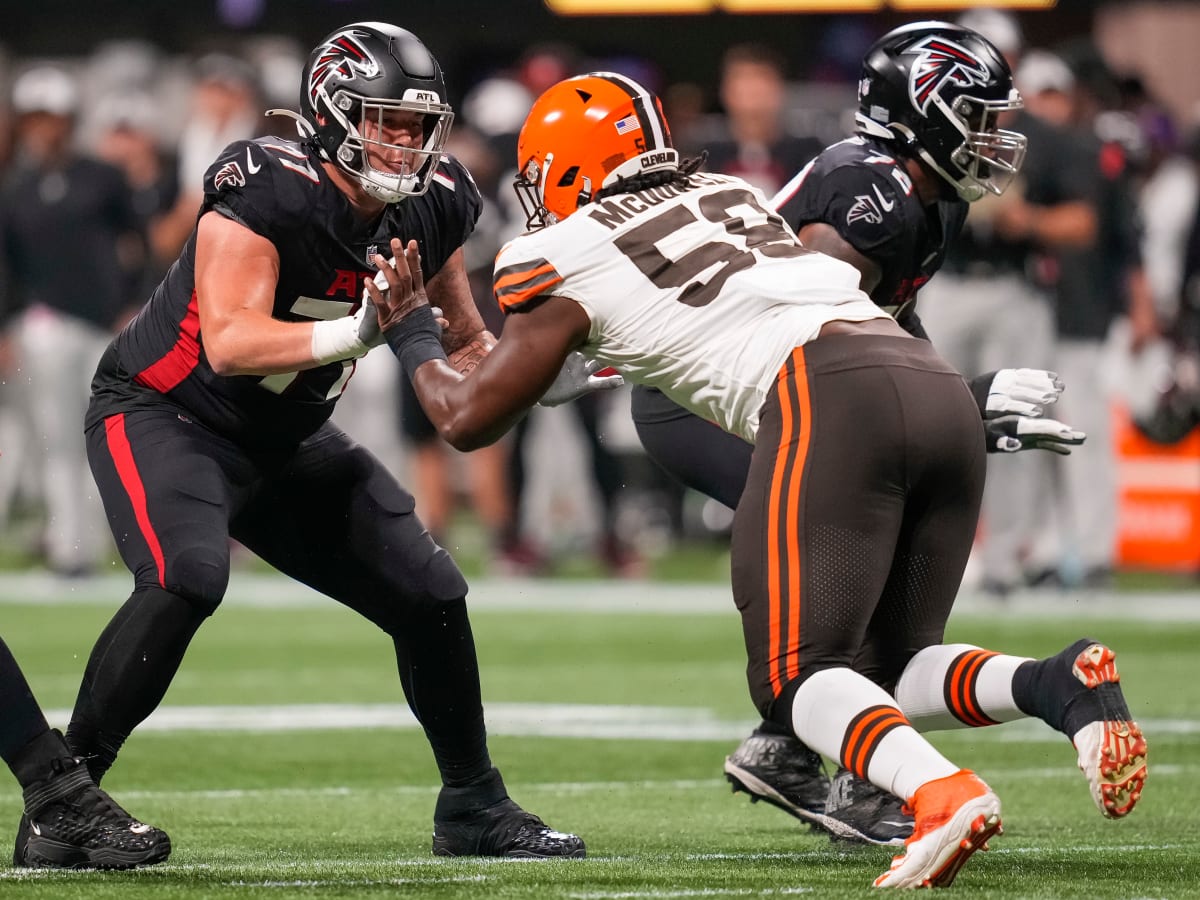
x=519, y=284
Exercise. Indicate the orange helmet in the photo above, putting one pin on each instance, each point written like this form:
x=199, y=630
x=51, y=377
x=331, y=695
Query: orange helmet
x=583, y=134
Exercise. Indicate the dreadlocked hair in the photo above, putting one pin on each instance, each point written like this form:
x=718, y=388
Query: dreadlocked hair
x=681, y=177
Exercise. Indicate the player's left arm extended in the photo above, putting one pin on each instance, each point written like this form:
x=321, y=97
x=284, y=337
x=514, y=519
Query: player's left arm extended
x=478, y=408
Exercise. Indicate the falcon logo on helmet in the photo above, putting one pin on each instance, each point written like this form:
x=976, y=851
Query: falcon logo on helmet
x=342, y=55
x=940, y=62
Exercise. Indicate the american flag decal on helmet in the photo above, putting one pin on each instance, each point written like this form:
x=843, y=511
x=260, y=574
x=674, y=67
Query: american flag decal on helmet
x=342, y=55
x=628, y=124
x=941, y=62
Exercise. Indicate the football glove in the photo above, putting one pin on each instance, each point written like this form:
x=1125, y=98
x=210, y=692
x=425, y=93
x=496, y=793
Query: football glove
x=1010, y=434
x=578, y=376
x=1025, y=392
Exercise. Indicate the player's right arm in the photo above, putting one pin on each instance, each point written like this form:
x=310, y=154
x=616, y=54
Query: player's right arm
x=236, y=274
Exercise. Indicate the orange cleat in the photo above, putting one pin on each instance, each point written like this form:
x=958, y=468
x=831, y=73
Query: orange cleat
x=955, y=816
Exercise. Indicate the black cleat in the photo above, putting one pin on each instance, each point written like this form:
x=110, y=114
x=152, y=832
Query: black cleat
x=69, y=823
x=482, y=820
x=858, y=812
x=783, y=771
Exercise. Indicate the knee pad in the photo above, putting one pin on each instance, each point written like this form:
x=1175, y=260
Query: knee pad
x=443, y=579
x=200, y=576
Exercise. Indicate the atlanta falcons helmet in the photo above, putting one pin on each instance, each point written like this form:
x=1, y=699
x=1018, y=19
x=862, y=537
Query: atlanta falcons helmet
x=585, y=134
x=353, y=81
x=936, y=90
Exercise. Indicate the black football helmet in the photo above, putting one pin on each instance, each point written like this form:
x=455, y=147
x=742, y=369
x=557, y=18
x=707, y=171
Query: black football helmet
x=353, y=79
x=936, y=89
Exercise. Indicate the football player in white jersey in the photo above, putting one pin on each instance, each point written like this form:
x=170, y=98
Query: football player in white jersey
x=859, y=510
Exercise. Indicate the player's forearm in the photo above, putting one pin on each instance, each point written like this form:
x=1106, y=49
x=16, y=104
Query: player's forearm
x=254, y=344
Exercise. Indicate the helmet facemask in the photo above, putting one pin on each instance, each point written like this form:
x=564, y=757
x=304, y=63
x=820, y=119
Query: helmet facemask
x=366, y=120
x=989, y=157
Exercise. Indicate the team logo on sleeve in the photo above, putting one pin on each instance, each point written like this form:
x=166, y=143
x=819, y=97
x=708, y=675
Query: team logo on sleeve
x=864, y=209
x=344, y=56
x=941, y=62
x=229, y=175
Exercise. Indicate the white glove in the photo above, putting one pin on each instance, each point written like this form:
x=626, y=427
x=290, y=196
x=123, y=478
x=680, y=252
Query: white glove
x=368, y=319
x=1025, y=392
x=1009, y=434
x=576, y=378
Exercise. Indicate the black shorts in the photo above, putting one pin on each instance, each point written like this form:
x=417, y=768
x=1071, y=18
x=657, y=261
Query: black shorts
x=859, y=512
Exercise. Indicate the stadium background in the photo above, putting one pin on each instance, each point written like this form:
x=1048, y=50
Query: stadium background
x=283, y=762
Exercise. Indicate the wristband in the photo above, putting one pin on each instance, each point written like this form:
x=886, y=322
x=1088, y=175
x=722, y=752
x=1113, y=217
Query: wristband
x=335, y=340
x=415, y=339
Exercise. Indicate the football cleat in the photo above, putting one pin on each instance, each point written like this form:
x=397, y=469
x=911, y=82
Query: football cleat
x=781, y=770
x=1111, y=748
x=955, y=816
x=504, y=830
x=858, y=812
x=69, y=823
x=480, y=819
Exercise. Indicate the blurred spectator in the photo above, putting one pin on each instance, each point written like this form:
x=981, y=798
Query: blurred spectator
x=70, y=234
x=225, y=107
x=753, y=90
x=1100, y=288
x=993, y=304
x=128, y=138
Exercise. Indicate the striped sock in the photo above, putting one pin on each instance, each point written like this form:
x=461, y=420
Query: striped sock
x=959, y=686
x=845, y=716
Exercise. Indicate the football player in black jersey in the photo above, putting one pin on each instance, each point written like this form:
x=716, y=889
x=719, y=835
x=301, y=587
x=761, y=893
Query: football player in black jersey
x=209, y=418
x=78, y=825
x=888, y=200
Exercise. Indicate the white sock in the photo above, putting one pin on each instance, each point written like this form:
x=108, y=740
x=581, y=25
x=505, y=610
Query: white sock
x=958, y=686
x=846, y=717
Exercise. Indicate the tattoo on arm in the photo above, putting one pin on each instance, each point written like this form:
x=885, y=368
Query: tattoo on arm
x=467, y=357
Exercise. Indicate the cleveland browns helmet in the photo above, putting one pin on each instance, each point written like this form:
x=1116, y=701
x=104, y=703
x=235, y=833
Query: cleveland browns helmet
x=584, y=134
x=936, y=90
x=353, y=79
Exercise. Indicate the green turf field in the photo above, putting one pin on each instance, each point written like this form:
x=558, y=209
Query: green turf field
x=611, y=709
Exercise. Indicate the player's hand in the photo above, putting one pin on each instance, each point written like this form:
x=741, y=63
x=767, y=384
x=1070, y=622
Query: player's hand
x=578, y=376
x=1010, y=434
x=405, y=289
x=1023, y=392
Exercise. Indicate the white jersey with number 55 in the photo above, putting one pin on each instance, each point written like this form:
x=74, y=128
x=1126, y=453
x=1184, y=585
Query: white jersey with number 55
x=701, y=292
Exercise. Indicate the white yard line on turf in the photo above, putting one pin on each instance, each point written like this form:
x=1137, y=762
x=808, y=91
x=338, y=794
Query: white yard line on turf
x=609, y=596
x=659, y=723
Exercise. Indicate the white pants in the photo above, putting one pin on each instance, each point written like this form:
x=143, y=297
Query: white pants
x=58, y=356
x=980, y=325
